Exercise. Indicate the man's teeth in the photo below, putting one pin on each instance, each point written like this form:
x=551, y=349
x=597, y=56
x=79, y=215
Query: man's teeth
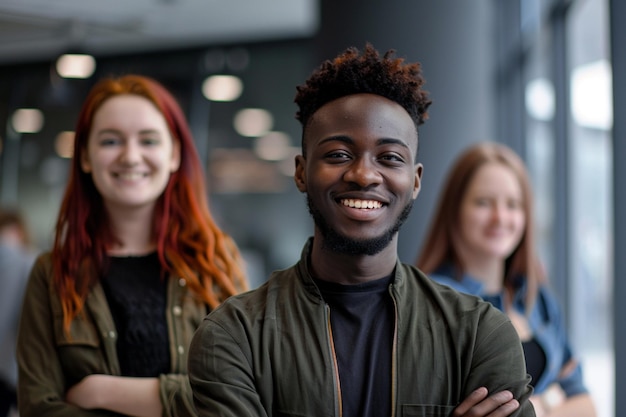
x=362, y=204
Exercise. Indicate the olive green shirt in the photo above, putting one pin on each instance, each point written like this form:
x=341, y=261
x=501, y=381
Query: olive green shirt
x=50, y=362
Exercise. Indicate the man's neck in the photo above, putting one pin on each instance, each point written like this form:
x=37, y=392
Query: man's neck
x=347, y=269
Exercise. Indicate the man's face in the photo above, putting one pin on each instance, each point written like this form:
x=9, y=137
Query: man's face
x=359, y=174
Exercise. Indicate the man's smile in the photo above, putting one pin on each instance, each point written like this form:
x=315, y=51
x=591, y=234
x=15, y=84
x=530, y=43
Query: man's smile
x=361, y=204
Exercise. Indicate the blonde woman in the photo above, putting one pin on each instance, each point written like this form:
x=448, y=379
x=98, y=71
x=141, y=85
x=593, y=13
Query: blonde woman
x=481, y=243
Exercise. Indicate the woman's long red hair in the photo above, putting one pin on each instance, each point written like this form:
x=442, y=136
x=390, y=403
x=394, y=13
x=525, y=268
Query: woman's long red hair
x=439, y=245
x=189, y=243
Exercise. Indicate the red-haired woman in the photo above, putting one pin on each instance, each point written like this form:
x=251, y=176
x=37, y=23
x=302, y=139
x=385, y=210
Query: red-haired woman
x=137, y=263
x=481, y=243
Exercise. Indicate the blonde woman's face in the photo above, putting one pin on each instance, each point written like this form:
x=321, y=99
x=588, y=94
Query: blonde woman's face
x=492, y=217
x=130, y=152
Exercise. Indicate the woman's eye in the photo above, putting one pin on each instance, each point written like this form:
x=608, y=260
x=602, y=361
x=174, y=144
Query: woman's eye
x=109, y=141
x=514, y=204
x=150, y=141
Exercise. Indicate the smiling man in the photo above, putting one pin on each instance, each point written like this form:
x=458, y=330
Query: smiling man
x=350, y=330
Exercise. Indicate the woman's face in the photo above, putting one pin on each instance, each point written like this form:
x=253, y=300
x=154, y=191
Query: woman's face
x=491, y=216
x=130, y=152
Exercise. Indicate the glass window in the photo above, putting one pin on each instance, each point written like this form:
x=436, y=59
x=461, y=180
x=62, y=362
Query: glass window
x=590, y=153
x=586, y=294
x=566, y=62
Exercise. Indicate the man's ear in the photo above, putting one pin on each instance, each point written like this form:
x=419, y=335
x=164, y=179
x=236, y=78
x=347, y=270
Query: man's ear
x=417, y=185
x=299, y=176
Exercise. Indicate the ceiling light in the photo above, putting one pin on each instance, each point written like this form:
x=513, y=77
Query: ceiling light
x=222, y=88
x=253, y=122
x=76, y=66
x=27, y=120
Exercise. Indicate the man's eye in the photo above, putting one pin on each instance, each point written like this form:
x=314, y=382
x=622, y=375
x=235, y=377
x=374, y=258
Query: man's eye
x=392, y=158
x=337, y=155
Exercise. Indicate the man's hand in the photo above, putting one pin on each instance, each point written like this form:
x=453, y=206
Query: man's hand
x=479, y=404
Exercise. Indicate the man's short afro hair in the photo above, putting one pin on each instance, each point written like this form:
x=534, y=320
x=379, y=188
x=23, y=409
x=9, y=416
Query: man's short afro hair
x=351, y=73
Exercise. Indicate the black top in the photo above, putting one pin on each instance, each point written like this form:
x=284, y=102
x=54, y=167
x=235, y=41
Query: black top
x=136, y=293
x=362, y=322
x=535, y=359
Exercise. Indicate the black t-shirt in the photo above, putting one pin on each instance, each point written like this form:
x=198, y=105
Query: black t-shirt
x=535, y=359
x=362, y=321
x=136, y=293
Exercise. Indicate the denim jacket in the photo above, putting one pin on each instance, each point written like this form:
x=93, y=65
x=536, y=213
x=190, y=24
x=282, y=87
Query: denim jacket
x=547, y=325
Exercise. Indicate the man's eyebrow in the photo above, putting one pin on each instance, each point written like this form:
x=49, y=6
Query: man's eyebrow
x=392, y=141
x=338, y=138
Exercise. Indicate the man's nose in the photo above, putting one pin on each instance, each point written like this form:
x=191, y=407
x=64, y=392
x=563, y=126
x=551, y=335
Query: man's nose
x=364, y=172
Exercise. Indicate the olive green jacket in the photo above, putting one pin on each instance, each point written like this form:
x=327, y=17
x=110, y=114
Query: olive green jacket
x=50, y=362
x=269, y=352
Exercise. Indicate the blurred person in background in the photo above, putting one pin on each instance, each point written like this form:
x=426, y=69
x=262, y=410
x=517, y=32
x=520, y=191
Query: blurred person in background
x=136, y=264
x=481, y=242
x=16, y=259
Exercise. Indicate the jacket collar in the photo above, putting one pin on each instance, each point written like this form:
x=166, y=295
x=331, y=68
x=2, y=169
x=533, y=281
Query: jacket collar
x=304, y=271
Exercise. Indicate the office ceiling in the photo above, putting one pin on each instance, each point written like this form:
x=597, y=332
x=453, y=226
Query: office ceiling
x=41, y=29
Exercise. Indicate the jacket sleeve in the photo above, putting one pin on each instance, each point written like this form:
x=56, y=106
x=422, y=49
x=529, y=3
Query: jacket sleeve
x=498, y=361
x=176, y=397
x=221, y=374
x=41, y=382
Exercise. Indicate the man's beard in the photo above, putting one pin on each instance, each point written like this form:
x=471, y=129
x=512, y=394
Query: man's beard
x=335, y=242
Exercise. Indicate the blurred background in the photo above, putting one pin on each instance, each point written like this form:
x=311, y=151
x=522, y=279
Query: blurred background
x=534, y=74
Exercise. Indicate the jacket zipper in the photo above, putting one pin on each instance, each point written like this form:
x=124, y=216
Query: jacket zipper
x=339, y=405
x=394, y=353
